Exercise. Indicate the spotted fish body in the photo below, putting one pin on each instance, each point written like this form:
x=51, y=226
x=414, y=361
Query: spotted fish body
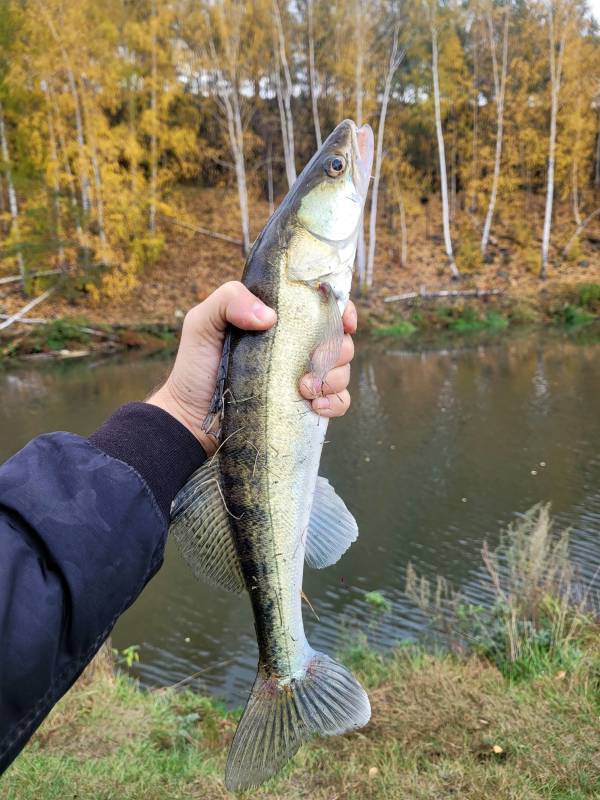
x=252, y=518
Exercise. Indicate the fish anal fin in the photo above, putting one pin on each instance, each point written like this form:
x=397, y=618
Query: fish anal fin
x=331, y=528
x=201, y=526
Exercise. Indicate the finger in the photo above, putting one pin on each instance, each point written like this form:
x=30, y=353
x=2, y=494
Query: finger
x=332, y=405
x=350, y=318
x=232, y=302
x=336, y=381
x=346, y=352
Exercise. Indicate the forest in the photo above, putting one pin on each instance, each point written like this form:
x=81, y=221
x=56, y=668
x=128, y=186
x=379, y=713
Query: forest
x=486, y=116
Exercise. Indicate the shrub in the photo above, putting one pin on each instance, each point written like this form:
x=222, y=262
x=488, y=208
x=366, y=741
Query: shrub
x=539, y=614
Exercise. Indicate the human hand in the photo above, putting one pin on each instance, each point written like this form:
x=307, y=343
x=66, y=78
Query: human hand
x=188, y=391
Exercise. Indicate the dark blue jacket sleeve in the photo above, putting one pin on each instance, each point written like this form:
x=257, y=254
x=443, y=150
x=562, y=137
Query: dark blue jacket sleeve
x=82, y=530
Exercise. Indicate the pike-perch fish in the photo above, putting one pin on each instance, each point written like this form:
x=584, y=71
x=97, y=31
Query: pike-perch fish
x=256, y=511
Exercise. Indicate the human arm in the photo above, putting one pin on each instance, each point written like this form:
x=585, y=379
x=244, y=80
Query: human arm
x=83, y=522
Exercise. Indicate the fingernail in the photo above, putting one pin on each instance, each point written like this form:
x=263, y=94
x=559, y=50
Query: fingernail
x=263, y=313
x=321, y=403
x=317, y=386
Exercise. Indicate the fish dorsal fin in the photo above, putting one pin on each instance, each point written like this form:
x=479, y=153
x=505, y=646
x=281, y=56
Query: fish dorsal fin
x=331, y=528
x=201, y=526
x=327, y=352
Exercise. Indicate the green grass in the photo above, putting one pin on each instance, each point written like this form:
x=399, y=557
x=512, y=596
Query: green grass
x=402, y=328
x=56, y=335
x=469, y=320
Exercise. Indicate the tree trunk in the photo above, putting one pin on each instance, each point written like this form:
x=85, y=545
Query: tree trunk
x=270, y=178
x=236, y=139
x=597, y=168
x=555, y=79
x=312, y=73
x=66, y=165
x=95, y=162
x=55, y=178
x=153, y=137
x=12, y=195
x=361, y=255
x=404, y=233
x=475, y=153
x=284, y=97
x=394, y=63
x=500, y=93
x=442, y=153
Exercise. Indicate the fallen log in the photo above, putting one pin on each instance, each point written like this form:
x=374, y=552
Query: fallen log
x=42, y=274
x=42, y=321
x=203, y=231
x=579, y=230
x=422, y=294
x=26, y=308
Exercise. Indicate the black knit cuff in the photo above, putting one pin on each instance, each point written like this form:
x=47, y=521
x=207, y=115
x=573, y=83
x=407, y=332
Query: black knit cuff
x=155, y=444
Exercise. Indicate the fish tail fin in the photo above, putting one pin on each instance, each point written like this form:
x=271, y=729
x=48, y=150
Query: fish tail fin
x=279, y=716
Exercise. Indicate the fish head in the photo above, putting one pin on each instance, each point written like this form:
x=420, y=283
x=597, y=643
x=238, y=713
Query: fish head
x=330, y=192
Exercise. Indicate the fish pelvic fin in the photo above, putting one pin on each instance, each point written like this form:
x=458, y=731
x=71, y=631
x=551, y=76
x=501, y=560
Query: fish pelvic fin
x=280, y=715
x=331, y=528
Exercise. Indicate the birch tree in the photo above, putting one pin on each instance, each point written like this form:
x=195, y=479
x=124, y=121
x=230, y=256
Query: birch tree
x=312, y=72
x=499, y=98
x=284, y=90
x=12, y=194
x=359, y=31
x=395, y=60
x=433, y=28
x=558, y=24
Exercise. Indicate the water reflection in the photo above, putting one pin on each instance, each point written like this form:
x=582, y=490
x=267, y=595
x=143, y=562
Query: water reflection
x=439, y=451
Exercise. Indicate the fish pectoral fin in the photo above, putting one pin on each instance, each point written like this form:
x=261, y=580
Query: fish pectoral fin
x=201, y=526
x=327, y=351
x=325, y=700
x=331, y=528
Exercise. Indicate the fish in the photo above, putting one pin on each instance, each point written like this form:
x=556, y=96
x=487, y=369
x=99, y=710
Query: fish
x=250, y=517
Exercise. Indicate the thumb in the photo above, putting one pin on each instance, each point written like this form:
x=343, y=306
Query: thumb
x=233, y=302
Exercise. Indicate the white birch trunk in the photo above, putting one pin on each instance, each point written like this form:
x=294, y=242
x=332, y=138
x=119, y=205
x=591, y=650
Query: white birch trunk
x=394, y=63
x=500, y=94
x=12, y=194
x=270, y=179
x=361, y=253
x=96, y=172
x=475, y=153
x=68, y=170
x=312, y=73
x=55, y=176
x=153, y=137
x=236, y=139
x=555, y=80
x=442, y=153
x=287, y=121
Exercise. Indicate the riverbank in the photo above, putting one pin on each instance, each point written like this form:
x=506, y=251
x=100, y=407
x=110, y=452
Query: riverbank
x=441, y=727
x=574, y=312
x=192, y=265
x=512, y=711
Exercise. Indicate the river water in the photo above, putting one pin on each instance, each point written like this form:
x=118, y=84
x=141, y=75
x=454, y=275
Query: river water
x=441, y=449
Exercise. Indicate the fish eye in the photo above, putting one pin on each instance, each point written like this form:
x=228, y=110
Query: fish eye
x=335, y=165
